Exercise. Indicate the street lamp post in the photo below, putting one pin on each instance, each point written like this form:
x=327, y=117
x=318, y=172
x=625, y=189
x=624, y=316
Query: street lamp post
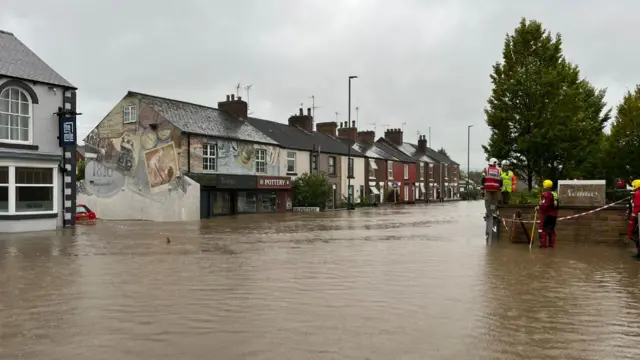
x=350, y=193
x=468, y=154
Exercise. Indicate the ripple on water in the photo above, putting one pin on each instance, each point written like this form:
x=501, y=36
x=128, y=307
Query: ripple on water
x=408, y=282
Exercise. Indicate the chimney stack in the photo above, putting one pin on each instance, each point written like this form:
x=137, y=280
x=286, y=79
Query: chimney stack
x=328, y=128
x=422, y=144
x=366, y=136
x=394, y=136
x=304, y=122
x=353, y=124
x=237, y=108
x=348, y=132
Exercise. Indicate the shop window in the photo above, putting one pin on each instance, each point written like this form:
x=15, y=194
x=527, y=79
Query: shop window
x=247, y=202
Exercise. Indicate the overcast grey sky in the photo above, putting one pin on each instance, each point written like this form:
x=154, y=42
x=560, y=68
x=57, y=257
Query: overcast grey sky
x=426, y=63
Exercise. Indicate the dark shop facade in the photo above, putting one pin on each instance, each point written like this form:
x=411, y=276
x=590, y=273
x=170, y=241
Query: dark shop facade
x=243, y=194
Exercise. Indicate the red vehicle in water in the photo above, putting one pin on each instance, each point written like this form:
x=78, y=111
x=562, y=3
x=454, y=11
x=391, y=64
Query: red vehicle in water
x=83, y=213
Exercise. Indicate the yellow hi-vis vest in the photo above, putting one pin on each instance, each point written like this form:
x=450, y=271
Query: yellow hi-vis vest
x=508, y=181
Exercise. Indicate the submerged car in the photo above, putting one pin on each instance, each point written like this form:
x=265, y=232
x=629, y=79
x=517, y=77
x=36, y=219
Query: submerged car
x=83, y=213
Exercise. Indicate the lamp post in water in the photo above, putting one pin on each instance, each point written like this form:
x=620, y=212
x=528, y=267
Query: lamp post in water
x=468, y=154
x=350, y=193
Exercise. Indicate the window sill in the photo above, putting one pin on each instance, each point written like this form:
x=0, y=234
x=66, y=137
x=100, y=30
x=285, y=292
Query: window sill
x=292, y=174
x=18, y=216
x=332, y=175
x=351, y=177
x=18, y=146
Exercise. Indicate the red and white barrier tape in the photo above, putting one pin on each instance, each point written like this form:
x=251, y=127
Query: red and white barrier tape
x=570, y=216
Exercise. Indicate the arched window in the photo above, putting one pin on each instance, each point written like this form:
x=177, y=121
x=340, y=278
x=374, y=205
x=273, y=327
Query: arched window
x=15, y=115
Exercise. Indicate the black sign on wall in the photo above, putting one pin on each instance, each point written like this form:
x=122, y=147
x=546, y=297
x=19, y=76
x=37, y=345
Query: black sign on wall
x=236, y=181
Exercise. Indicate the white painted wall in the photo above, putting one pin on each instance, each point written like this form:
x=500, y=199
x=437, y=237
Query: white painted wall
x=358, y=173
x=128, y=205
x=302, y=162
x=44, y=133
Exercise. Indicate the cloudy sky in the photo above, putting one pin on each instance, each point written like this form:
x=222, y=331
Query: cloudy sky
x=421, y=63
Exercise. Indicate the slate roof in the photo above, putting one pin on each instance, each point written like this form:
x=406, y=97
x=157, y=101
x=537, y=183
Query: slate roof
x=387, y=147
x=293, y=137
x=369, y=150
x=18, y=61
x=203, y=120
x=415, y=153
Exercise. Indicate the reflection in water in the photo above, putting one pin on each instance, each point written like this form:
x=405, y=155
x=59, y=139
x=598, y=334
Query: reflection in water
x=406, y=283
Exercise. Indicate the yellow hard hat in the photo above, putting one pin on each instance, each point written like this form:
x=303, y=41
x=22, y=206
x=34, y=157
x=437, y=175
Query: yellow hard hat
x=635, y=184
x=547, y=184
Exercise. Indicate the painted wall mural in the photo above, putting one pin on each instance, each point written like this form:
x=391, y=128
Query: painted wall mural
x=235, y=157
x=141, y=156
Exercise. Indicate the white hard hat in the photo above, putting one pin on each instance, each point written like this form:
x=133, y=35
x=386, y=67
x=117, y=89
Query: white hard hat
x=493, y=161
x=505, y=162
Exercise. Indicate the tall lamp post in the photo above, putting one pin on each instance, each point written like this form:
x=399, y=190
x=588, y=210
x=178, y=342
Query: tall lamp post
x=350, y=169
x=468, y=154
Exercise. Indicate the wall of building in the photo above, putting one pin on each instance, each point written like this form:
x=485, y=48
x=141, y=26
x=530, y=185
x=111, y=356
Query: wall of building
x=233, y=157
x=358, y=177
x=303, y=162
x=136, y=174
x=607, y=226
x=323, y=166
x=44, y=130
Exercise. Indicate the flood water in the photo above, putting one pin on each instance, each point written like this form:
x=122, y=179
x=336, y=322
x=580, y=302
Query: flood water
x=413, y=282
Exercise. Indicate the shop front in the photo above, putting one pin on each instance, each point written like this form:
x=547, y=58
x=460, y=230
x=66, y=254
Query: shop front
x=222, y=194
x=274, y=193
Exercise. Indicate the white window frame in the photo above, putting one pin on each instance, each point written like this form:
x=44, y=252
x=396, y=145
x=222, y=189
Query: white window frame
x=372, y=169
x=132, y=112
x=406, y=192
x=291, y=156
x=206, y=154
x=12, y=165
x=261, y=161
x=30, y=107
x=390, y=169
x=446, y=171
x=421, y=171
x=406, y=171
x=430, y=171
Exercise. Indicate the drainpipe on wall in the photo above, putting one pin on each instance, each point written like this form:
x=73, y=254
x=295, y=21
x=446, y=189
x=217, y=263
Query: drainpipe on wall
x=188, y=153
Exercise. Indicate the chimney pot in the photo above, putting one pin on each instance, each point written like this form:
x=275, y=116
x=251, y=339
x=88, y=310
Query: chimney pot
x=353, y=123
x=233, y=97
x=301, y=113
x=239, y=97
x=228, y=97
x=309, y=111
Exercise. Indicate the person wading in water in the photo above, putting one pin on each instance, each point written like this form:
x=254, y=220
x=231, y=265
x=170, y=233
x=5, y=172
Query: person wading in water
x=548, y=210
x=634, y=209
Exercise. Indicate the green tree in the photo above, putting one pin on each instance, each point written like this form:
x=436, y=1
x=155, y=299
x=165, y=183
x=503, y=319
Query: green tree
x=312, y=190
x=543, y=117
x=443, y=152
x=621, y=147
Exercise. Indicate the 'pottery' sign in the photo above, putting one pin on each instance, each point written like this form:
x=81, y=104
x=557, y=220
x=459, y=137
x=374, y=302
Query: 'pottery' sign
x=582, y=192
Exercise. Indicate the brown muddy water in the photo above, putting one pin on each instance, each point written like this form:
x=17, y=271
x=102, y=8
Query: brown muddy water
x=406, y=283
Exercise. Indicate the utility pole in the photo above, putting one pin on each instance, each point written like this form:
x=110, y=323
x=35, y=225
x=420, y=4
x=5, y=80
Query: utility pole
x=313, y=105
x=350, y=169
x=247, y=90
